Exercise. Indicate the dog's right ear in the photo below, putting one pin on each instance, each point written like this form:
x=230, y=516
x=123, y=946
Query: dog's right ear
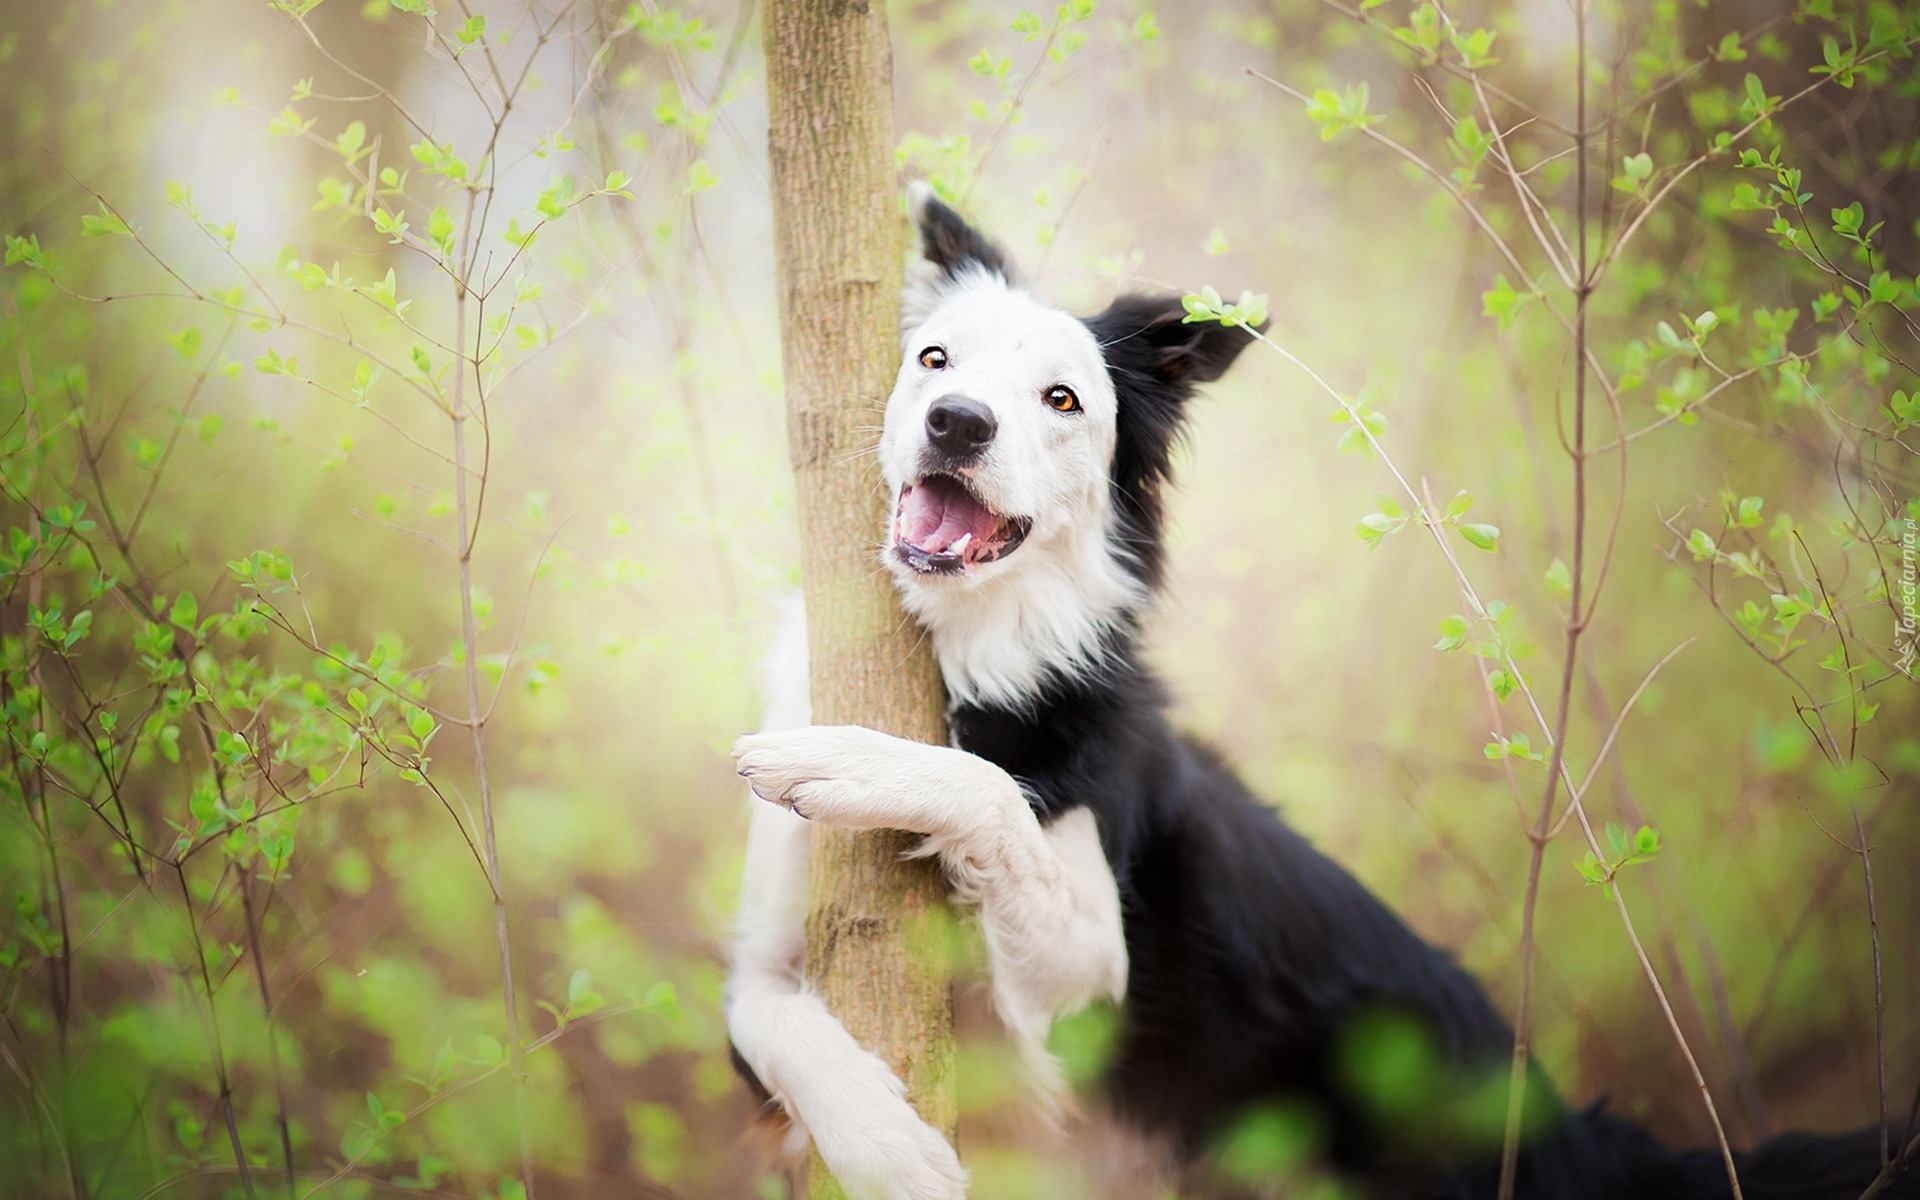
x=947, y=242
x=952, y=251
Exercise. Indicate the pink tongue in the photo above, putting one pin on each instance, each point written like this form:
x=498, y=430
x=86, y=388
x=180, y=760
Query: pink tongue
x=936, y=512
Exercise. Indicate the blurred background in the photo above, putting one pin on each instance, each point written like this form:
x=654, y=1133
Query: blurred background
x=261, y=256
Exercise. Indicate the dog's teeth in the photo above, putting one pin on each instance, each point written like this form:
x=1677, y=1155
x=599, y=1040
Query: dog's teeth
x=960, y=544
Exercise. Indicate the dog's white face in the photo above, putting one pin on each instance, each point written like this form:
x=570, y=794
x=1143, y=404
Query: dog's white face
x=998, y=437
x=1023, y=451
x=997, y=451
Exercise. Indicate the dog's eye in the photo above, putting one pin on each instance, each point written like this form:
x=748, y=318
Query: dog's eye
x=1060, y=398
x=933, y=358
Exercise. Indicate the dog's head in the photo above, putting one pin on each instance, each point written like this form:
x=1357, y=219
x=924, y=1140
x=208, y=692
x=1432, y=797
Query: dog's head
x=1025, y=448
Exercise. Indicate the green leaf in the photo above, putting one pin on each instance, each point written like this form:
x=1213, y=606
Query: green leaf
x=1671, y=339
x=1248, y=312
x=1503, y=303
x=1475, y=47
x=395, y=227
x=440, y=228
x=1559, y=579
x=579, y=984
x=104, y=224
x=986, y=64
x=1376, y=526
x=349, y=141
x=1337, y=113
x=1502, y=683
x=1486, y=537
x=288, y=124
x=1422, y=33
x=1617, y=840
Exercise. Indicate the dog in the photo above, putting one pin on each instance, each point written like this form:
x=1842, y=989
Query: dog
x=1027, y=454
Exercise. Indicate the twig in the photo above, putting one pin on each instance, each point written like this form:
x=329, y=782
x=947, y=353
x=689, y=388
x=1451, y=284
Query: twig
x=1879, y=988
x=1575, y=624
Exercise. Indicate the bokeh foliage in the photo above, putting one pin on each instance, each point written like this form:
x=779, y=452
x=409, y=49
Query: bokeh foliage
x=309, y=305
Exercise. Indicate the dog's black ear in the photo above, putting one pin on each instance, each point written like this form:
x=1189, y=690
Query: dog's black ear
x=1155, y=359
x=1148, y=338
x=950, y=245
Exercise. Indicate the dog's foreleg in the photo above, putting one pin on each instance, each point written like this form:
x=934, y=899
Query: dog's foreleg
x=1047, y=900
x=831, y=1088
x=1050, y=913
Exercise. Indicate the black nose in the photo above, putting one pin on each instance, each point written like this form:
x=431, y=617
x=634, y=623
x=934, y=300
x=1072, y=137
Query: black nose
x=960, y=426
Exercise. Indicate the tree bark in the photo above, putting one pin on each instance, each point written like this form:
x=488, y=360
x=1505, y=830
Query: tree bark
x=873, y=953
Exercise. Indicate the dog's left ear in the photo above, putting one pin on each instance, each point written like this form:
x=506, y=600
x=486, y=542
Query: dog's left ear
x=1146, y=341
x=1154, y=359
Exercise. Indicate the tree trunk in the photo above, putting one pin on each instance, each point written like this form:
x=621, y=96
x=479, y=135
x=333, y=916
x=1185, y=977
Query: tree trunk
x=872, y=949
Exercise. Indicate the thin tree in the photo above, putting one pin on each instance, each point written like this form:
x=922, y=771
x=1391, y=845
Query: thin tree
x=871, y=953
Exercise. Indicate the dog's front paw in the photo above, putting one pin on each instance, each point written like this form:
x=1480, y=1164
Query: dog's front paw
x=895, y=1157
x=835, y=774
x=856, y=778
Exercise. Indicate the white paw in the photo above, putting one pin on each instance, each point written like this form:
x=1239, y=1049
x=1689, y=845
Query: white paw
x=842, y=1096
x=852, y=777
x=892, y=1155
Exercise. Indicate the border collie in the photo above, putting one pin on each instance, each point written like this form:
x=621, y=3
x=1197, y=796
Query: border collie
x=1026, y=452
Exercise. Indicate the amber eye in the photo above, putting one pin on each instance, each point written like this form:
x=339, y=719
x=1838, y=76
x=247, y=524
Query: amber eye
x=1060, y=398
x=933, y=358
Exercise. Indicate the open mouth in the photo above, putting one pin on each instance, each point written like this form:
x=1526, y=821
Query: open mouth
x=942, y=528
